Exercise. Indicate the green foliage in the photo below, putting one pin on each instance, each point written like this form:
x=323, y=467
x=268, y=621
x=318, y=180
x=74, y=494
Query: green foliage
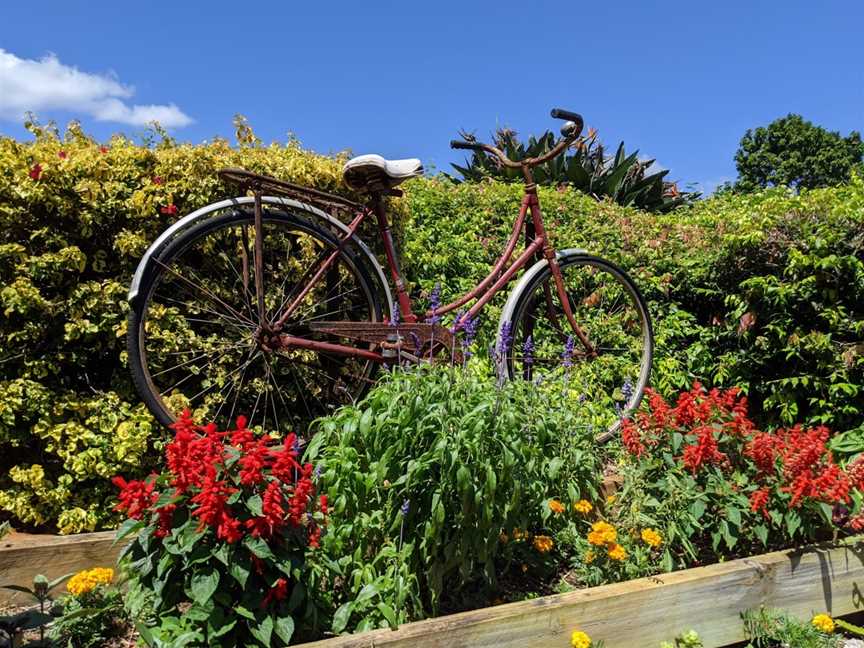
x=34, y=618
x=70, y=240
x=768, y=628
x=622, y=178
x=432, y=468
x=689, y=639
x=219, y=554
x=794, y=152
x=92, y=619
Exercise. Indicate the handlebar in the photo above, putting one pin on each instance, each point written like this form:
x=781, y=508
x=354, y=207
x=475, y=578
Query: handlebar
x=570, y=132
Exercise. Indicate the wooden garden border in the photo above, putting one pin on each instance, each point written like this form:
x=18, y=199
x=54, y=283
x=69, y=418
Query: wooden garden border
x=644, y=612
x=24, y=556
x=632, y=614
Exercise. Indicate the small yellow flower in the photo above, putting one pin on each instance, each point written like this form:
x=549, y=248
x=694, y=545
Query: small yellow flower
x=580, y=640
x=589, y=557
x=543, y=543
x=87, y=580
x=556, y=507
x=602, y=533
x=823, y=623
x=610, y=500
x=583, y=506
x=651, y=538
x=617, y=552
x=517, y=534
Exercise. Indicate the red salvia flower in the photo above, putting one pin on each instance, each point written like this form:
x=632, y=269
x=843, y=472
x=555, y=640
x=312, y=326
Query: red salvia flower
x=157, y=180
x=62, y=155
x=103, y=149
x=277, y=592
x=253, y=460
x=36, y=172
x=169, y=209
x=759, y=501
x=136, y=497
x=631, y=438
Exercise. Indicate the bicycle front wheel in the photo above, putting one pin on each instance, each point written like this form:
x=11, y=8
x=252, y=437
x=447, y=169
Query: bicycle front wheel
x=603, y=371
x=194, y=333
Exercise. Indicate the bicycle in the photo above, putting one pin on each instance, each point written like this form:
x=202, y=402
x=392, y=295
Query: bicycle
x=271, y=306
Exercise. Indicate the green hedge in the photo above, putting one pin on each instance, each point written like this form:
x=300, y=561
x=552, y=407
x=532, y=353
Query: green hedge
x=763, y=290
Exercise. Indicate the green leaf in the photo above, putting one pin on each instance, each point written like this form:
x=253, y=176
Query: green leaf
x=761, y=532
x=263, y=631
x=239, y=571
x=285, y=628
x=342, y=616
x=388, y=614
x=697, y=509
x=255, y=505
x=203, y=586
x=244, y=612
x=734, y=515
x=258, y=547
x=128, y=527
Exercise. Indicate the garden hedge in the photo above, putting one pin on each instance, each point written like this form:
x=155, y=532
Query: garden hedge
x=764, y=291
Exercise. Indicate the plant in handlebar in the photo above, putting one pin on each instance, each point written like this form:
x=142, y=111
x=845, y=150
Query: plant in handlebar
x=222, y=537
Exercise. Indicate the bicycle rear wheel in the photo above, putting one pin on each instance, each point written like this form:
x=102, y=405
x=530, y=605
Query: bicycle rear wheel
x=607, y=384
x=193, y=336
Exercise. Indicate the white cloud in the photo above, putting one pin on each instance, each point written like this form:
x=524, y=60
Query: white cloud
x=48, y=84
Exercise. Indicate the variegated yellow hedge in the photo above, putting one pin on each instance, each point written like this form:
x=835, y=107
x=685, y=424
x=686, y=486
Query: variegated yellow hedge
x=764, y=290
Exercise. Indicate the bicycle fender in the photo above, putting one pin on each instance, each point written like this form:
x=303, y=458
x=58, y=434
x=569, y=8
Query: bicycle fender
x=518, y=289
x=147, y=261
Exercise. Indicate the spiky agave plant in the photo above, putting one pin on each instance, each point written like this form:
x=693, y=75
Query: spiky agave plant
x=622, y=178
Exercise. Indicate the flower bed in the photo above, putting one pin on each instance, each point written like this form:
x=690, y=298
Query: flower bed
x=647, y=611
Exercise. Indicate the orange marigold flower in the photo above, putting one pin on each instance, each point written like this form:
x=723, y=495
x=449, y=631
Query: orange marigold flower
x=651, y=538
x=556, y=506
x=602, y=533
x=583, y=506
x=543, y=543
x=617, y=552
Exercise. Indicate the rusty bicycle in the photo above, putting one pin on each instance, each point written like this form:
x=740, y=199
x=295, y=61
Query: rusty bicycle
x=271, y=305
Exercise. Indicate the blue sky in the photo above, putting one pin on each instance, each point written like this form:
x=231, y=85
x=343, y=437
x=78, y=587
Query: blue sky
x=680, y=81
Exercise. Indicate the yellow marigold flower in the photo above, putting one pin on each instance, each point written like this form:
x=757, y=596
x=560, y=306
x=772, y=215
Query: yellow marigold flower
x=617, y=552
x=580, y=640
x=589, y=557
x=517, y=534
x=823, y=623
x=543, y=543
x=602, y=533
x=556, y=507
x=610, y=499
x=651, y=538
x=87, y=580
x=583, y=506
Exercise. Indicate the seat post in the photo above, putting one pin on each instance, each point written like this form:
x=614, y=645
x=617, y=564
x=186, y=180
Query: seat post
x=376, y=200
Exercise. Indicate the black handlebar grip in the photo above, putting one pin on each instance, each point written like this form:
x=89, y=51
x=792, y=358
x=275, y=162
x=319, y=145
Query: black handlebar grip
x=459, y=144
x=560, y=113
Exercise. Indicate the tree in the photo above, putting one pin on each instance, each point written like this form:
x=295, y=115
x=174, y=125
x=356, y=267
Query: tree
x=622, y=178
x=794, y=152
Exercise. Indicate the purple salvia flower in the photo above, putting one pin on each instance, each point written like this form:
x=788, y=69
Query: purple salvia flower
x=469, y=331
x=456, y=320
x=416, y=340
x=318, y=470
x=505, y=340
x=435, y=303
x=627, y=390
x=567, y=356
x=528, y=351
x=406, y=505
x=394, y=321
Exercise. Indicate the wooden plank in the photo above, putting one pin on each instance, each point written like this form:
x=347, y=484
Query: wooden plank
x=24, y=556
x=646, y=611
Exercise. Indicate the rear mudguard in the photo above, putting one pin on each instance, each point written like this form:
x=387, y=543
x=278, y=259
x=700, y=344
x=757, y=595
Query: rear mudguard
x=313, y=213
